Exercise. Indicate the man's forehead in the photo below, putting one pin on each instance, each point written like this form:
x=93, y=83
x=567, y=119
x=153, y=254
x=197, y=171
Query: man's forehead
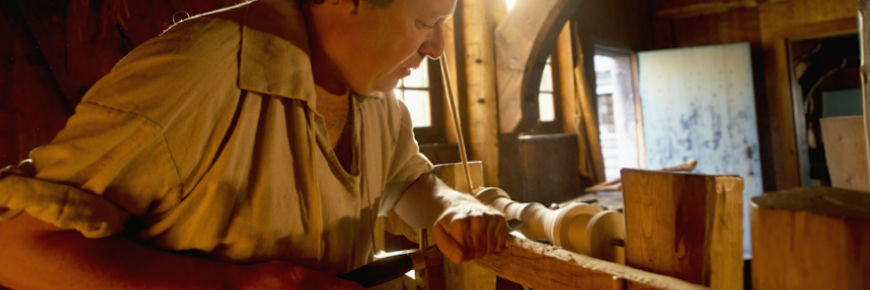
x=436, y=8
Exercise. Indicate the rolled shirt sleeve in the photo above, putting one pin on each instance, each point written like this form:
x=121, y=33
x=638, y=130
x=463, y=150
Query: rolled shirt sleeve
x=103, y=167
x=407, y=163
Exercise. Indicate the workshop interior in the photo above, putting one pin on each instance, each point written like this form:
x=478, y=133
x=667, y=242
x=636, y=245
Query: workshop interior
x=640, y=144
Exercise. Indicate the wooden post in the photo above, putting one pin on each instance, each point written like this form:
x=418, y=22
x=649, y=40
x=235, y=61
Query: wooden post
x=688, y=226
x=480, y=87
x=811, y=238
x=564, y=62
x=863, y=11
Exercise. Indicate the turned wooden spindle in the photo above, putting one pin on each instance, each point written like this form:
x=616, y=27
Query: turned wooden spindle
x=578, y=227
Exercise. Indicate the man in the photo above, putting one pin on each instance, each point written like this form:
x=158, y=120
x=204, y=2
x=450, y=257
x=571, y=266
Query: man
x=251, y=147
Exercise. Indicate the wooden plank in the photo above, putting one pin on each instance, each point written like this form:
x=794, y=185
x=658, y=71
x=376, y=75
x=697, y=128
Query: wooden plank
x=520, y=60
x=811, y=238
x=553, y=178
x=845, y=144
x=589, y=143
x=698, y=8
x=687, y=226
x=736, y=25
x=480, y=87
x=564, y=62
x=539, y=266
x=864, y=13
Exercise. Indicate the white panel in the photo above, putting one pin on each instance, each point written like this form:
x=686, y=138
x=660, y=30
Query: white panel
x=698, y=103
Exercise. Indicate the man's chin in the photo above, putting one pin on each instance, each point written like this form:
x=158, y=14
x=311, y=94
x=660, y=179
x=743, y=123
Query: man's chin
x=385, y=87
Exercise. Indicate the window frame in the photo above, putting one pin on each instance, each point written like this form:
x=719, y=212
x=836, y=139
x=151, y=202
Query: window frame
x=434, y=133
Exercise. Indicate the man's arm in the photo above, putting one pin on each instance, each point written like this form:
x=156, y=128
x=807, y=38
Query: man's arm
x=38, y=255
x=462, y=227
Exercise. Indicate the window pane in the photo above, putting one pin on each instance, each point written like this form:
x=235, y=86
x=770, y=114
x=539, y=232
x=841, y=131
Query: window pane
x=546, y=111
x=547, y=79
x=399, y=94
x=418, y=105
x=510, y=4
x=419, y=77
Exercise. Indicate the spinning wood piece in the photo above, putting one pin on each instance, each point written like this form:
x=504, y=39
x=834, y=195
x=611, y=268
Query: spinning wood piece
x=604, y=232
x=579, y=227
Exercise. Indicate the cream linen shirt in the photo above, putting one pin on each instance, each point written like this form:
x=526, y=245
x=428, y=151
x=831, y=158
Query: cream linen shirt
x=204, y=139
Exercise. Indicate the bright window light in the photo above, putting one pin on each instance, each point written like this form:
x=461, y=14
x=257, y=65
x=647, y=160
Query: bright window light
x=414, y=91
x=546, y=102
x=510, y=4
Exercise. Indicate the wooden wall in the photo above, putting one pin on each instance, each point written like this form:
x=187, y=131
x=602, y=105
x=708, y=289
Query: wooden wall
x=54, y=50
x=766, y=25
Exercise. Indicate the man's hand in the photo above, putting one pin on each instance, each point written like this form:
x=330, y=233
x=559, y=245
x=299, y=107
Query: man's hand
x=463, y=228
x=470, y=230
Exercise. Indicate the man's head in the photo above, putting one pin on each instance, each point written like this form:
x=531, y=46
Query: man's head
x=368, y=45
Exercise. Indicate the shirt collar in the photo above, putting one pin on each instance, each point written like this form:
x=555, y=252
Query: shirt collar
x=274, y=52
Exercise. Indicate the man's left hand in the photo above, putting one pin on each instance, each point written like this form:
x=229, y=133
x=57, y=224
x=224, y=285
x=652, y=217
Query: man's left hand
x=470, y=230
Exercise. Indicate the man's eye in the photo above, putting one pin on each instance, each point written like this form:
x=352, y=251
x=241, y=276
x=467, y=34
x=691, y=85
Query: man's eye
x=420, y=24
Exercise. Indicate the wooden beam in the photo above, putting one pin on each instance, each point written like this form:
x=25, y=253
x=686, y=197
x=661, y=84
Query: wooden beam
x=480, y=87
x=539, y=266
x=591, y=163
x=688, y=226
x=564, y=62
x=864, y=13
x=704, y=8
x=811, y=238
x=520, y=60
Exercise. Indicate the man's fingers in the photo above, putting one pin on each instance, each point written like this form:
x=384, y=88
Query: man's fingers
x=492, y=234
x=447, y=244
x=503, y=232
x=477, y=235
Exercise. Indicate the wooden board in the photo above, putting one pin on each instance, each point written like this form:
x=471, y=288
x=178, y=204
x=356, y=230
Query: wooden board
x=811, y=238
x=845, y=149
x=687, y=226
x=699, y=103
x=549, y=178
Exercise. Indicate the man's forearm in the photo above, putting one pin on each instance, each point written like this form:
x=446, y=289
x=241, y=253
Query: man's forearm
x=426, y=199
x=36, y=255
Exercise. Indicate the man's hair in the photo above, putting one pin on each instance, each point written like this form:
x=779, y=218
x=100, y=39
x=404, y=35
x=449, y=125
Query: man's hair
x=378, y=3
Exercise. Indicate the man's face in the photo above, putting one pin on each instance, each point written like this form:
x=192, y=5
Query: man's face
x=382, y=44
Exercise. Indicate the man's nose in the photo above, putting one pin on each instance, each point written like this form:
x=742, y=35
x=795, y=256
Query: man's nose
x=434, y=45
